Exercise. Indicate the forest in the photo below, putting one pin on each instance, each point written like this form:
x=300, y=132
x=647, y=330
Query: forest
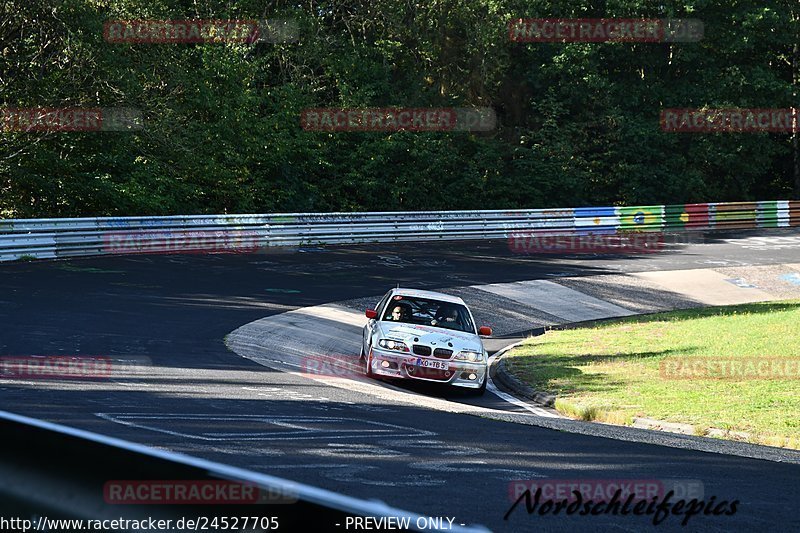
x=575, y=123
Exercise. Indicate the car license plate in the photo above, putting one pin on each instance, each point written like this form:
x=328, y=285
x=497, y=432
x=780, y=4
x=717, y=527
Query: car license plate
x=440, y=365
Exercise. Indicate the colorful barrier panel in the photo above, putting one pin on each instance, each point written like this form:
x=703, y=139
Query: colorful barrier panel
x=596, y=220
x=774, y=214
x=686, y=216
x=734, y=215
x=641, y=218
x=794, y=213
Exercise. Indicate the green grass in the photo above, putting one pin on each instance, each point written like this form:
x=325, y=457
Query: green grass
x=610, y=372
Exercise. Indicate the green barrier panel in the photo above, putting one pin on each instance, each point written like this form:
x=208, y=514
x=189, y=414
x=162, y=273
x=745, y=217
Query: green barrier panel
x=686, y=216
x=675, y=216
x=768, y=215
x=641, y=218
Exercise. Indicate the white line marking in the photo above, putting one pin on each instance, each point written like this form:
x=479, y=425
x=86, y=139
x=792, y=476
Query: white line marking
x=475, y=466
x=304, y=432
x=353, y=475
x=307, y=433
x=304, y=465
x=538, y=411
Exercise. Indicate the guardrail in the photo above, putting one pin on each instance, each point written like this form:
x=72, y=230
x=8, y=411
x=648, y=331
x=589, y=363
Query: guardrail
x=72, y=237
x=51, y=472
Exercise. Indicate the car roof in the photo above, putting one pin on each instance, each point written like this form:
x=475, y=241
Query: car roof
x=430, y=295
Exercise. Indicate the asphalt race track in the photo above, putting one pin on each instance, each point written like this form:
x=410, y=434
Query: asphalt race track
x=172, y=313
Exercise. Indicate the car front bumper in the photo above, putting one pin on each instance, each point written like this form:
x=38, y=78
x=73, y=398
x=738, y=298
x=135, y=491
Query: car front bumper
x=404, y=366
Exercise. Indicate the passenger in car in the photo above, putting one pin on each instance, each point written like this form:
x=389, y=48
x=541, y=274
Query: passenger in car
x=447, y=315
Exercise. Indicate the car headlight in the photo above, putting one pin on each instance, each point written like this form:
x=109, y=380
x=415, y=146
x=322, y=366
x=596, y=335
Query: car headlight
x=470, y=356
x=389, y=344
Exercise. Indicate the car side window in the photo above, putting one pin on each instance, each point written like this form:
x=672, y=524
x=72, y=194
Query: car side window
x=379, y=306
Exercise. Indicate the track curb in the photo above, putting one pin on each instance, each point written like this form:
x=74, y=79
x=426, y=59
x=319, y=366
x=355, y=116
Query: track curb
x=512, y=385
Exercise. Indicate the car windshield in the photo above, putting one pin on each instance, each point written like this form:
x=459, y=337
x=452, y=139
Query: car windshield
x=428, y=312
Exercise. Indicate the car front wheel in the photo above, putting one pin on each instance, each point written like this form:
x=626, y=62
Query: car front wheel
x=367, y=366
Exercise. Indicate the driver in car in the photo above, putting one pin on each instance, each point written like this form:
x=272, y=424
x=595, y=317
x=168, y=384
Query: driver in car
x=446, y=317
x=400, y=313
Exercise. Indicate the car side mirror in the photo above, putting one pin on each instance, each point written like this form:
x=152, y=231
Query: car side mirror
x=371, y=313
x=485, y=331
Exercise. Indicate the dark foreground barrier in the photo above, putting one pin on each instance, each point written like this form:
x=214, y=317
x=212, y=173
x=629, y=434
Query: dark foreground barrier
x=56, y=478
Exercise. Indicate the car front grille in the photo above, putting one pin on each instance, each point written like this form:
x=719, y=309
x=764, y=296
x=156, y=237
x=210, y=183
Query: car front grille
x=421, y=350
x=443, y=353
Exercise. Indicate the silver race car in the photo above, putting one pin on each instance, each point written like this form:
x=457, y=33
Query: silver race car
x=426, y=336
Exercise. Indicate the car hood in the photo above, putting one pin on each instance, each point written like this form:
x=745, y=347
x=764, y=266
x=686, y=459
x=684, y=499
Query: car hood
x=431, y=336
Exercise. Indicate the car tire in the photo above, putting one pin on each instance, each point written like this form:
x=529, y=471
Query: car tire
x=367, y=367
